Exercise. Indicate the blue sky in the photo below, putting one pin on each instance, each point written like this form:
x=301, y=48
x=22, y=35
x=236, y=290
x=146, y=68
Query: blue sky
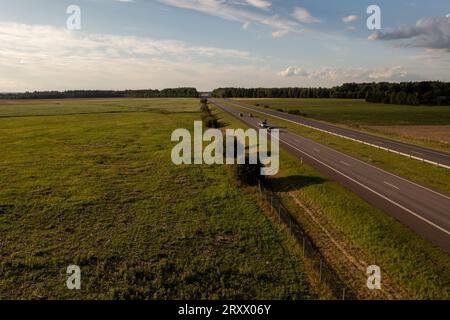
x=212, y=43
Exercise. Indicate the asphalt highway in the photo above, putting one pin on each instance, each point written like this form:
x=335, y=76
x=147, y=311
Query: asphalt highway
x=412, y=151
x=423, y=210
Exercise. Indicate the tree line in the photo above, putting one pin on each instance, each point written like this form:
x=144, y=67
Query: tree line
x=405, y=93
x=76, y=94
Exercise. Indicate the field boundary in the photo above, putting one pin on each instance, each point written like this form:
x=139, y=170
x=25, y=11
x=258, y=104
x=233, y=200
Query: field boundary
x=310, y=251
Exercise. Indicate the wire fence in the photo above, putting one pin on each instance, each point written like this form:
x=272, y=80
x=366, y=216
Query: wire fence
x=325, y=274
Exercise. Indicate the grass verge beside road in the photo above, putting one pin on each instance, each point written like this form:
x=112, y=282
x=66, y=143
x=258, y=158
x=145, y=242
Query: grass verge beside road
x=360, y=115
x=353, y=235
x=428, y=175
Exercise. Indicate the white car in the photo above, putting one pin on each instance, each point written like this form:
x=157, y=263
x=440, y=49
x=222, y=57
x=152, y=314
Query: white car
x=263, y=124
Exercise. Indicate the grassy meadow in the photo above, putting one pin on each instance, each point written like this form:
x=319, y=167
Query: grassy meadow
x=353, y=235
x=91, y=183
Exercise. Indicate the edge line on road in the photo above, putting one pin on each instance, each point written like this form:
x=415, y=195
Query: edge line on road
x=349, y=138
x=368, y=188
x=394, y=175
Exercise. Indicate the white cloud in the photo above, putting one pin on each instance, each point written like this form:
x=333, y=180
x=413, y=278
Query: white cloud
x=347, y=74
x=302, y=15
x=34, y=57
x=292, y=72
x=350, y=19
x=230, y=11
x=44, y=40
x=262, y=4
x=431, y=33
x=280, y=33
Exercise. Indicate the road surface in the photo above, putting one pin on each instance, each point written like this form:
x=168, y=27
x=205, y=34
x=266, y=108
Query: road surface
x=412, y=151
x=423, y=210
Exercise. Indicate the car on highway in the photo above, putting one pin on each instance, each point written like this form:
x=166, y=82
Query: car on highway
x=263, y=124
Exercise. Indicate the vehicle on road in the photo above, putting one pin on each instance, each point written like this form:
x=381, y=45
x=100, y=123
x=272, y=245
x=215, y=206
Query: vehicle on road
x=263, y=124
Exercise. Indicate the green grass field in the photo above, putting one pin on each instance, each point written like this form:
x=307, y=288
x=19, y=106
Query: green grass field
x=428, y=175
x=360, y=115
x=26, y=108
x=91, y=183
x=358, y=235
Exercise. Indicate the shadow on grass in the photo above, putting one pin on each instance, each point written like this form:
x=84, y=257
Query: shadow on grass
x=223, y=124
x=294, y=183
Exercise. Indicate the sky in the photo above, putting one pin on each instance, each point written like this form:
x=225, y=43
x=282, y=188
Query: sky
x=139, y=44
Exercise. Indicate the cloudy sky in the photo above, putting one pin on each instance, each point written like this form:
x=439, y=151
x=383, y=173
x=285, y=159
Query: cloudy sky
x=211, y=43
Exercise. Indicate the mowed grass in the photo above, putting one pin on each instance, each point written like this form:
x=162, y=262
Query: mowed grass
x=428, y=175
x=100, y=191
x=360, y=115
x=411, y=267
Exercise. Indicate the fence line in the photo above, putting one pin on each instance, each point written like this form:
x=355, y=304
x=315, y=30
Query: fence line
x=310, y=251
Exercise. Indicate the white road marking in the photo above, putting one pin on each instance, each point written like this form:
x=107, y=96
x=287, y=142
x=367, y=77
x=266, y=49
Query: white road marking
x=353, y=139
x=370, y=189
x=391, y=185
x=316, y=150
x=368, y=164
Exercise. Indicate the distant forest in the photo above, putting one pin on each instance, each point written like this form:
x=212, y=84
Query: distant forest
x=75, y=94
x=431, y=93
x=405, y=93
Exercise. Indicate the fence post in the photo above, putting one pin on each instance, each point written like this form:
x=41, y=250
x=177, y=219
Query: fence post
x=271, y=202
x=330, y=281
x=320, y=270
x=304, y=239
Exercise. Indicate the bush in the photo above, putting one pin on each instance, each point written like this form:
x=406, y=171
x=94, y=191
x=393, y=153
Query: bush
x=247, y=173
x=204, y=101
x=266, y=106
x=211, y=122
x=204, y=108
x=297, y=113
x=280, y=110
